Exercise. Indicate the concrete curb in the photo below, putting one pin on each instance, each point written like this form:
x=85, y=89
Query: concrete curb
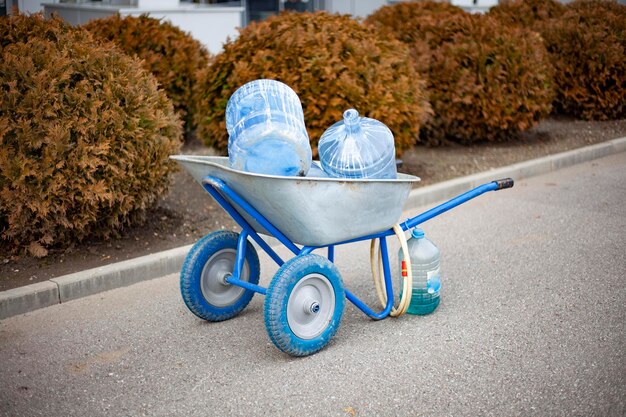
x=28, y=298
x=121, y=274
x=81, y=284
x=451, y=188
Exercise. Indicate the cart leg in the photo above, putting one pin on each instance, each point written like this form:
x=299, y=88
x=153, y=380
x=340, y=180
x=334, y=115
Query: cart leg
x=235, y=278
x=388, y=283
x=241, y=253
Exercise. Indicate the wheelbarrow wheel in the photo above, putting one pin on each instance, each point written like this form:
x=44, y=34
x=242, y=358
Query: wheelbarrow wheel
x=304, y=305
x=202, y=283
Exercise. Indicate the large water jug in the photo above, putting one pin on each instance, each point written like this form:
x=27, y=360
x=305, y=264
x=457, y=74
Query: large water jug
x=265, y=122
x=426, y=276
x=358, y=147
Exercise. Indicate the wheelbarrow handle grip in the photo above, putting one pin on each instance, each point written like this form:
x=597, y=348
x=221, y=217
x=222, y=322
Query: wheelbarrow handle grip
x=504, y=183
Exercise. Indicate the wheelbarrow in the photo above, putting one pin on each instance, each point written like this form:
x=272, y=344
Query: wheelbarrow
x=306, y=297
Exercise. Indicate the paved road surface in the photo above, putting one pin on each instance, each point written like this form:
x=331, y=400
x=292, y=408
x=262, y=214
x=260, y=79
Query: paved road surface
x=532, y=322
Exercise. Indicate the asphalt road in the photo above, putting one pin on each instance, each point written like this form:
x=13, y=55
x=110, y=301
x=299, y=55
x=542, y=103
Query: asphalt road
x=532, y=322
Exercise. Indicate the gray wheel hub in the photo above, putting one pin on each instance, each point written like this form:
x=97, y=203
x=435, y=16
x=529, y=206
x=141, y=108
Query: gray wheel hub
x=213, y=283
x=311, y=306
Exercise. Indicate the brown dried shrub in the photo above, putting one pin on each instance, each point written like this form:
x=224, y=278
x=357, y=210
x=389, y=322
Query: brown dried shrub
x=531, y=14
x=486, y=81
x=84, y=136
x=331, y=61
x=415, y=24
x=172, y=55
x=587, y=46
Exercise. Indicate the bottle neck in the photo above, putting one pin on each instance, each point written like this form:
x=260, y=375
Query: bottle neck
x=352, y=121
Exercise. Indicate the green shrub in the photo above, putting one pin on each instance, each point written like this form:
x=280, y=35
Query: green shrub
x=486, y=81
x=85, y=135
x=588, y=49
x=531, y=14
x=331, y=61
x=173, y=56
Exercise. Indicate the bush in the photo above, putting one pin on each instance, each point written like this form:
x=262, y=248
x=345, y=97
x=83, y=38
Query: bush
x=531, y=14
x=331, y=61
x=173, y=56
x=588, y=49
x=84, y=135
x=418, y=26
x=412, y=22
x=486, y=81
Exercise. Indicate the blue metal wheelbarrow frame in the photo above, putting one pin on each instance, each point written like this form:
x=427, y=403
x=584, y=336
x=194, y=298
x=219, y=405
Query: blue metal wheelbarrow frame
x=304, y=302
x=217, y=188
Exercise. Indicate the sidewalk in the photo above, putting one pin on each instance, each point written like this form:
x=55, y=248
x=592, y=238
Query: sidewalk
x=84, y=283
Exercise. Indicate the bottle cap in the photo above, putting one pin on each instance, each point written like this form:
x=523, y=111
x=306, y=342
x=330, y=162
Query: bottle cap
x=417, y=233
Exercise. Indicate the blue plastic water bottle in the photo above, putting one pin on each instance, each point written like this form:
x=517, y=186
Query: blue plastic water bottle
x=426, y=276
x=265, y=122
x=358, y=147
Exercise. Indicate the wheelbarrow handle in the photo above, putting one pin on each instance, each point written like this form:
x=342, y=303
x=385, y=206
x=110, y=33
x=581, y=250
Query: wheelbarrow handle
x=442, y=208
x=504, y=183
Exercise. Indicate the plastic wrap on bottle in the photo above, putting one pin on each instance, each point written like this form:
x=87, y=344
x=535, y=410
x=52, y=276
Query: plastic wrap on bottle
x=267, y=134
x=358, y=147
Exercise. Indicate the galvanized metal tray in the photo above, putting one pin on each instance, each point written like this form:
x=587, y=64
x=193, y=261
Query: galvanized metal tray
x=310, y=211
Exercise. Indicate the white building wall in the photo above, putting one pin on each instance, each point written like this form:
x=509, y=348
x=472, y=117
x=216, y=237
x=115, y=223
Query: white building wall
x=31, y=6
x=357, y=8
x=211, y=29
x=211, y=25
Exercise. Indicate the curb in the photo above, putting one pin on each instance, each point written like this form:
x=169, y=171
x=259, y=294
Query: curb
x=451, y=188
x=92, y=281
x=81, y=284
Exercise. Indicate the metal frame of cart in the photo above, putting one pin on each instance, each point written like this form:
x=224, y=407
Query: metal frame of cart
x=305, y=299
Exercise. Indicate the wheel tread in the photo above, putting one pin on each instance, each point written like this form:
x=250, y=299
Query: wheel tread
x=193, y=264
x=277, y=298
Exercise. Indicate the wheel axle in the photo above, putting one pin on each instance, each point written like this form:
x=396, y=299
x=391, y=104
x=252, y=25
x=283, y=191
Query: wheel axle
x=311, y=306
x=222, y=279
